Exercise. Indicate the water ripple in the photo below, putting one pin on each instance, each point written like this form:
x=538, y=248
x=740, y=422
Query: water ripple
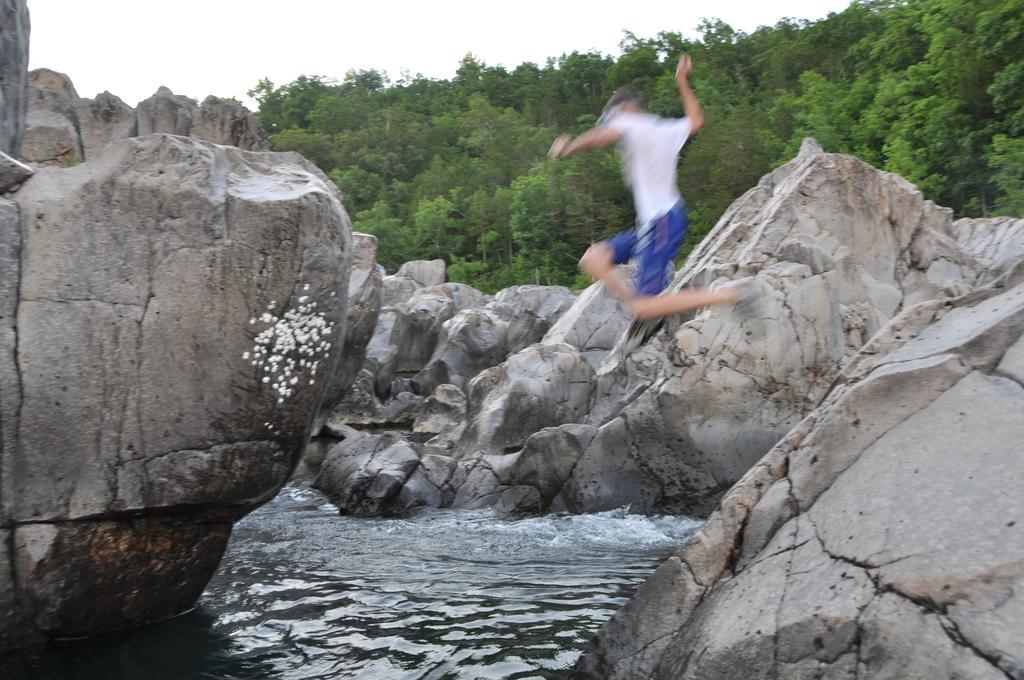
x=303, y=593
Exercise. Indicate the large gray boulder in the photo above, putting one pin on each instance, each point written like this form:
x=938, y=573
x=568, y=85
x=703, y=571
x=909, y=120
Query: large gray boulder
x=541, y=386
x=103, y=120
x=424, y=272
x=364, y=290
x=223, y=121
x=408, y=333
x=364, y=474
x=593, y=323
x=530, y=312
x=411, y=277
x=527, y=481
x=469, y=342
x=179, y=331
x=12, y=172
x=375, y=474
x=13, y=74
x=836, y=249
x=880, y=538
x=51, y=127
x=166, y=112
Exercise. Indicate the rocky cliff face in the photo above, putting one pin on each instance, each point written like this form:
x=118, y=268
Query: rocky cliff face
x=862, y=422
x=171, y=310
x=836, y=249
x=13, y=70
x=63, y=128
x=881, y=537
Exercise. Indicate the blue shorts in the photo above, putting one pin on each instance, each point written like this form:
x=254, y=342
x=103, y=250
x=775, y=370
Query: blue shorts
x=654, y=247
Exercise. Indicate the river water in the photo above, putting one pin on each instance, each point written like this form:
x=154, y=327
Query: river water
x=305, y=593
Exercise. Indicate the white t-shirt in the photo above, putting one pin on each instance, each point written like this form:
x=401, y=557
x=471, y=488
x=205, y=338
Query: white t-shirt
x=649, y=149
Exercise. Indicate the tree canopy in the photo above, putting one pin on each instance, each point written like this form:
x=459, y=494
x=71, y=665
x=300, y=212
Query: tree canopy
x=457, y=169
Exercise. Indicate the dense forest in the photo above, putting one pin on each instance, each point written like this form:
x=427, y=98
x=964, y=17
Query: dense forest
x=930, y=89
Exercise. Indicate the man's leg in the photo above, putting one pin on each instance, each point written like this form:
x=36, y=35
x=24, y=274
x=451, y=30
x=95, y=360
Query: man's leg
x=654, y=306
x=599, y=264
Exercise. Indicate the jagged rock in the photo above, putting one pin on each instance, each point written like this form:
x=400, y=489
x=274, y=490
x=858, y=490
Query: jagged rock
x=469, y=342
x=13, y=74
x=527, y=481
x=12, y=172
x=361, y=474
x=684, y=417
x=462, y=296
x=222, y=121
x=166, y=112
x=410, y=278
x=541, y=386
x=364, y=290
x=593, y=323
x=478, y=338
x=996, y=242
x=880, y=536
x=424, y=272
x=408, y=333
x=397, y=289
x=418, y=326
x=375, y=474
x=530, y=312
x=137, y=329
x=361, y=406
x=50, y=139
x=443, y=415
x=429, y=485
x=51, y=126
x=103, y=120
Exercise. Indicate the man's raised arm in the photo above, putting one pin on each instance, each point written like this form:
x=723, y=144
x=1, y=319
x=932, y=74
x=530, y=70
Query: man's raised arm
x=690, y=103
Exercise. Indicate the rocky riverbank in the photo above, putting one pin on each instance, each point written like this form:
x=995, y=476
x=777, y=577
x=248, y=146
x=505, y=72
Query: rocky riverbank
x=856, y=439
x=178, y=316
x=837, y=250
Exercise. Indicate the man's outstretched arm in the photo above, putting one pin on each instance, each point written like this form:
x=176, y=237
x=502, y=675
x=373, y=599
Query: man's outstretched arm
x=594, y=138
x=690, y=103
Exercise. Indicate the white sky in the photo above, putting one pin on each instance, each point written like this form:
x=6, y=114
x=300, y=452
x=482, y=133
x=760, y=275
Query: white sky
x=223, y=47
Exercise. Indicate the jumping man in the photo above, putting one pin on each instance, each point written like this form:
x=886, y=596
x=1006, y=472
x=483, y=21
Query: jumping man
x=649, y=148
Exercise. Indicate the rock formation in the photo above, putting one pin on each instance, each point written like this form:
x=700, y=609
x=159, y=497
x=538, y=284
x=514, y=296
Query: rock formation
x=63, y=128
x=103, y=120
x=223, y=121
x=881, y=537
x=364, y=294
x=837, y=250
x=169, y=313
x=51, y=128
x=409, y=278
x=13, y=74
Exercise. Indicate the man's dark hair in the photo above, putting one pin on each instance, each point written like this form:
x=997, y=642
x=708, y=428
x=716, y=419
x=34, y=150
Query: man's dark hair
x=621, y=96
